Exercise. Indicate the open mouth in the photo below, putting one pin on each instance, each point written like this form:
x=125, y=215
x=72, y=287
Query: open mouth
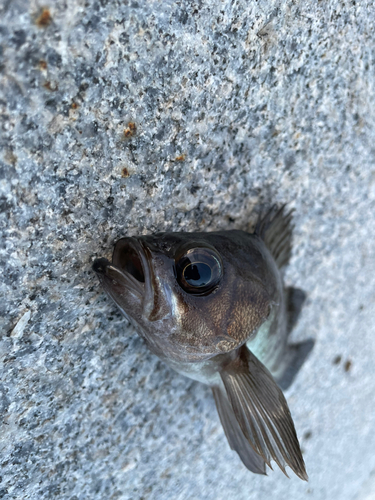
x=128, y=270
x=127, y=256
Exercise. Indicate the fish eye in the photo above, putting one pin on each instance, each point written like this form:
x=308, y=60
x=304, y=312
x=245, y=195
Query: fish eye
x=199, y=271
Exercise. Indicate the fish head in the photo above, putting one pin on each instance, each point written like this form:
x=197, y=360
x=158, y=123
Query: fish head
x=190, y=295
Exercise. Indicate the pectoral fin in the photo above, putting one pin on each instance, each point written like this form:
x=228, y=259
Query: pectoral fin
x=262, y=412
x=236, y=439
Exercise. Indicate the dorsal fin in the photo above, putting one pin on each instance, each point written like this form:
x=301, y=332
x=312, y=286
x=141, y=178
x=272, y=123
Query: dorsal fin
x=275, y=228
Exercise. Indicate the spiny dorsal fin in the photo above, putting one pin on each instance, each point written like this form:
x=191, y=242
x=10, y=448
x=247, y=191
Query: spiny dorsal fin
x=275, y=229
x=262, y=412
x=236, y=439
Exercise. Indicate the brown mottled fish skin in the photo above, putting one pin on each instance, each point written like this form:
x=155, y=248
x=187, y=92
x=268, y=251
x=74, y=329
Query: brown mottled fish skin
x=212, y=306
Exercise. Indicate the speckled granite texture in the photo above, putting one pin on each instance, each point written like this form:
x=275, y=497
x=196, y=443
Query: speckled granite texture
x=127, y=117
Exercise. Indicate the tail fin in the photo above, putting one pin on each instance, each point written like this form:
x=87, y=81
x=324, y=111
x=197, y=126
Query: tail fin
x=262, y=413
x=294, y=299
x=275, y=229
x=296, y=355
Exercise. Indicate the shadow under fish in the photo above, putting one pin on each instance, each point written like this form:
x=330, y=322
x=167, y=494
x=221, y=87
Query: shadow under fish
x=213, y=306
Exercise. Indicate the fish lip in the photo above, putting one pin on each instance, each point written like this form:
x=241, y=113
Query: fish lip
x=151, y=306
x=99, y=265
x=113, y=273
x=144, y=254
x=142, y=288
x=110, y=273
x=146, y=289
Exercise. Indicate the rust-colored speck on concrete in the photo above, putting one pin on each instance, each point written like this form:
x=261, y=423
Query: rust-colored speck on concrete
x=44, y=19
x=130, y=130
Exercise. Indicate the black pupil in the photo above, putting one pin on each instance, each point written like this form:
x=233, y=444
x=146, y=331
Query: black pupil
x=197, y=274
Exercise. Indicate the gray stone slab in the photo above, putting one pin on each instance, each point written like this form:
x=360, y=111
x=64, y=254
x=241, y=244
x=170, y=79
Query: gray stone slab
x=235, y=105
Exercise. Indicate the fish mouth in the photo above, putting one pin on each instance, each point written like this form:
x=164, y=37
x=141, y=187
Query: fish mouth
x=129, y=267
x=129, y=271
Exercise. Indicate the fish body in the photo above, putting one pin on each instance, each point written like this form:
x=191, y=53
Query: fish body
x=212, y=306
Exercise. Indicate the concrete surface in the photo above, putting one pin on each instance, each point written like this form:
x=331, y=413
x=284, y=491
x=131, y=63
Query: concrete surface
x=128, y=117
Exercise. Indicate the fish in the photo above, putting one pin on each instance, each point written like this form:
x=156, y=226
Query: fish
x=212, y=305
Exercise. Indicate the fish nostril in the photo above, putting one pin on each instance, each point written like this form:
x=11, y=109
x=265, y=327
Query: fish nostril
x=99, y=265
